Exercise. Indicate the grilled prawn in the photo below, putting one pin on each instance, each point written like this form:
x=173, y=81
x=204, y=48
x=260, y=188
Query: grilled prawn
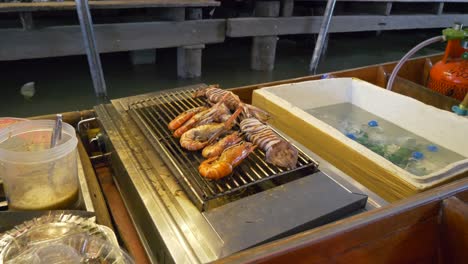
x=200, y=136
x=215, y=113
x=218, y=167
x=184, y=117
x=213, y=93
x=278, y=151
x=217, y=148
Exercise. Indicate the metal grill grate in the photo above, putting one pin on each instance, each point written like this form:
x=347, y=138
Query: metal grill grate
x=153, y=114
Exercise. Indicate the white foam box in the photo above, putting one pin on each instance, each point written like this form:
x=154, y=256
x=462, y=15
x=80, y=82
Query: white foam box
x=287, y=103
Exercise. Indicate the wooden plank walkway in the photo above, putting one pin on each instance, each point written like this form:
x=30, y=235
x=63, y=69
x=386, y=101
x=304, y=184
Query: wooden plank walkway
x=66, y=40
x=106, y=4
x=183, y=24
x=248, y=27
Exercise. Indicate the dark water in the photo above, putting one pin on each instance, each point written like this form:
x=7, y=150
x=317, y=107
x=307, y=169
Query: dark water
x=64, y=84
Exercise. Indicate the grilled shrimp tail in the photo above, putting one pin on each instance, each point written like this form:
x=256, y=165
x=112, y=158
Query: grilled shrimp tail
x=212, y=169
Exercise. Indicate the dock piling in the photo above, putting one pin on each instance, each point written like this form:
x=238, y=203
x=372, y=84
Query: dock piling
x=287, y=8
x=188, y=57
x=264, y=47
x=26, y=20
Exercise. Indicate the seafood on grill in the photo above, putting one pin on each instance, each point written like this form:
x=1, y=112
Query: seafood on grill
x=218, y=147
x=199, y=137
x=184, y=117
x=214, y=94
x=221, y=166
x=217, y=113
x=278, y=151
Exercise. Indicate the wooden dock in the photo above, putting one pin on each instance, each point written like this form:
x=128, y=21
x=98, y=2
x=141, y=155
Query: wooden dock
x=49, y=29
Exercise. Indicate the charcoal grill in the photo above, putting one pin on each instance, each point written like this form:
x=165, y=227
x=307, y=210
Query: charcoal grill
x=152, y=116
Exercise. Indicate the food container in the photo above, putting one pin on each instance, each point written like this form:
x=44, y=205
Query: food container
x=8, y=121
x=35, y=176
x=78, y=248
x=306, y=112
x=61, y=238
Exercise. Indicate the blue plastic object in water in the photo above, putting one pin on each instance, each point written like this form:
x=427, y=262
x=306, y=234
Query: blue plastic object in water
x=432, y=148
x=373, y=123
x=351, y=136
x=417, y=155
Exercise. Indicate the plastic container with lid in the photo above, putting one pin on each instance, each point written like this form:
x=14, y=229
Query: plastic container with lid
x=77, y=248
x=35, y=176
x=8, y=121
x=58, y=238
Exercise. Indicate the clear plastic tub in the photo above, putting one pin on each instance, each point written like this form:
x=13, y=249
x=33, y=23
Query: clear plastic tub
x=77, y=248
x=35, y=176
x=8, y=121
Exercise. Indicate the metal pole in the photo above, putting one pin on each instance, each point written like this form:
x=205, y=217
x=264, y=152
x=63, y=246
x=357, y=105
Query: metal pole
x=322, y=36
x=86, y=24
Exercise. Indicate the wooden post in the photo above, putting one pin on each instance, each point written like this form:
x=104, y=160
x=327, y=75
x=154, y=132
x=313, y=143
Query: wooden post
x=287, y=8
x=264, y=48
x=189, y=61
x=194, y=14
x=386, y=10
x=189, y=57
x=26, y=20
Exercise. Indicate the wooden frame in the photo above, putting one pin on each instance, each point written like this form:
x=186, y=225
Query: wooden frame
x=247, y=27
x=107, y=4
x=66, y=40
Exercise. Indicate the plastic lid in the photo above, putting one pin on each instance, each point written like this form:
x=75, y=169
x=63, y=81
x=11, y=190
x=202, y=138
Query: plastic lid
x=432, y=148
x=61, y=238
x=57, y=254
x=78, y=248
x=373, y=123
x=417, y=155
x=351, y=136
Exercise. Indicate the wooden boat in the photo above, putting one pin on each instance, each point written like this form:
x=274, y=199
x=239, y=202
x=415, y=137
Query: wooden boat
x=431, y=227
x=427, y=227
